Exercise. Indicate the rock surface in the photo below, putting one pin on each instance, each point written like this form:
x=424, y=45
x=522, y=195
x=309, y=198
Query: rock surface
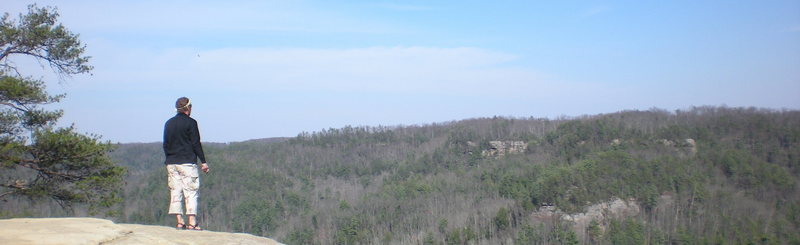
x=600, y=213
x=501, y=148
x=99, y=231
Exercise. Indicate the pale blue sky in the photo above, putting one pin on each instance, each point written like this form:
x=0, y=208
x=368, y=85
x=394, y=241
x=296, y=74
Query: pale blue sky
x=257, y=69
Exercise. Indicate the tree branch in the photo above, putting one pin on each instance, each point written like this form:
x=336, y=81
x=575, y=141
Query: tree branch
x=12, y=105
x=61, y=68
x=48, y=172
x=16, y=186
x=6, y=66
x=6, y=52
x=10, y=192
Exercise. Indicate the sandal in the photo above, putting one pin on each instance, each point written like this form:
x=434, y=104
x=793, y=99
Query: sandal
x=194, y=227
x=180, y=226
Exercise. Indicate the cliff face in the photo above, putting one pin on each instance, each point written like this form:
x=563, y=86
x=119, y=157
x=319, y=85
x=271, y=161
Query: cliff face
x=70, y=231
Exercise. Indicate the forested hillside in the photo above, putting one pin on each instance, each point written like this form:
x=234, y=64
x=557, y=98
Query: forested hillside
x=706, y=175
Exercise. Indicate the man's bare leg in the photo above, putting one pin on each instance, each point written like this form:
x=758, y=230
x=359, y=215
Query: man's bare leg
x=192, y=225
x=180, y=224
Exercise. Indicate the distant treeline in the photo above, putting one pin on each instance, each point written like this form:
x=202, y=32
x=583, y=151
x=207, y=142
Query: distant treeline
x=708, y=175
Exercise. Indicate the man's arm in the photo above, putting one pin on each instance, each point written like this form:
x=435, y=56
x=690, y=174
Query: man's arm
x=164, y=144
x=196, y=145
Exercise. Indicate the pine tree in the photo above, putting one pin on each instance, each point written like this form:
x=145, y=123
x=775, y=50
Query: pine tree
x=38, y=159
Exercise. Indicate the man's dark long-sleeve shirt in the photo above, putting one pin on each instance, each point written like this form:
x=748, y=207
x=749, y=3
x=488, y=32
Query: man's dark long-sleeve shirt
x=182, y=140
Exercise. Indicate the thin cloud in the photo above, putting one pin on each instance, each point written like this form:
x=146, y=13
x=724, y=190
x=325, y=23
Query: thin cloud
x=306, y=83
x=376, y=69
x=208, y=17
x=403, y=7
x=595, y=11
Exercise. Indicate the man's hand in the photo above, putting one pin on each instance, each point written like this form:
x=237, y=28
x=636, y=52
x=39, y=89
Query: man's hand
x=204, y=167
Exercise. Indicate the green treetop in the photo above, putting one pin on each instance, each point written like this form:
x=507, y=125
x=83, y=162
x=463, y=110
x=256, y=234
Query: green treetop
x=38, y=159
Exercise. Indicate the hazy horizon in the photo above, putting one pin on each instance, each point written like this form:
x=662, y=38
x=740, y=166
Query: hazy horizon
x=256, y=69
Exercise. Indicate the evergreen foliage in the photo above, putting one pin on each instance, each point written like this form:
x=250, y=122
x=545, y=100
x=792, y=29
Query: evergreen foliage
x=38, y=159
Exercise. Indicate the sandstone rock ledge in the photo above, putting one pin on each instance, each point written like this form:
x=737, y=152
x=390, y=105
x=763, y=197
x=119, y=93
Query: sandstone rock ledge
x=70, y=231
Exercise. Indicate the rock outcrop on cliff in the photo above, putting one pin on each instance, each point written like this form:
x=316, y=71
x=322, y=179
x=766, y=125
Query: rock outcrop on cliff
x=68, y=231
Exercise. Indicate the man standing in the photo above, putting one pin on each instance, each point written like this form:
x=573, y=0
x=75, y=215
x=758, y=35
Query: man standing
x=182, y=148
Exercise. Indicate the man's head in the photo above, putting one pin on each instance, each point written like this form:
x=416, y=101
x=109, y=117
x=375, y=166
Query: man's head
x=183, y=105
